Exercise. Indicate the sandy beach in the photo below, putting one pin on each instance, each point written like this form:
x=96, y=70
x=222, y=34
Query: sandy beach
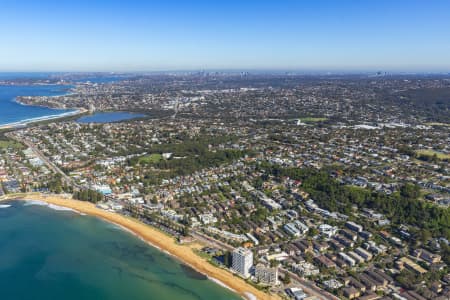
x=158, y=239
x=55, y=117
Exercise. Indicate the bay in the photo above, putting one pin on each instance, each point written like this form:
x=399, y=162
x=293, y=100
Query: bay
x=13, y=112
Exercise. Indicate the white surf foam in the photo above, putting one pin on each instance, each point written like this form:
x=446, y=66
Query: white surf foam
x=35, y=202
x=60, y=208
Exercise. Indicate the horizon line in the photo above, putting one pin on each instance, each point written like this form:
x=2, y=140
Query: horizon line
x=240, y=70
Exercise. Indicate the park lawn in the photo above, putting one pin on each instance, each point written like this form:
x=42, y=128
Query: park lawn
x=150, y=159
x=312, y=119
x=439, y=155
x=7, y=144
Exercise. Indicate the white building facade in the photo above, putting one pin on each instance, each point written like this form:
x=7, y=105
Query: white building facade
x=242, y=261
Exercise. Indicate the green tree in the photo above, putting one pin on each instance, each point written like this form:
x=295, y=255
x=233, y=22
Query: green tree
x=410, y=191
x=286, y=278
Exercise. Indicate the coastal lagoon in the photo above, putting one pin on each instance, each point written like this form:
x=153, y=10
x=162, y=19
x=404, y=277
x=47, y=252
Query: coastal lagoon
x=13, y=112
x=54, y=253
x=108, y=117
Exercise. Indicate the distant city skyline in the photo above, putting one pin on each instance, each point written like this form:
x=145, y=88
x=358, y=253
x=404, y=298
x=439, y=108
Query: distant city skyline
x=392, y=36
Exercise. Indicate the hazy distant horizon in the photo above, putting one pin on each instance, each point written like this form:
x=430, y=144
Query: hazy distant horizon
x=231, y=71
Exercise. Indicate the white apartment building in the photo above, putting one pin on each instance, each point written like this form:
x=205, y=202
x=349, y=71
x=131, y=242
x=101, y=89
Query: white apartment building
x=242, y=261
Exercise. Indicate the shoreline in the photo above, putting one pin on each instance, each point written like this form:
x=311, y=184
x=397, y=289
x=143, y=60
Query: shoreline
x=156, y=239
x=30, y=121
x=25, y=122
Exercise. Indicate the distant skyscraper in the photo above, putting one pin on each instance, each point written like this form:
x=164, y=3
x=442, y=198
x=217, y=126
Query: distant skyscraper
x=242, y=261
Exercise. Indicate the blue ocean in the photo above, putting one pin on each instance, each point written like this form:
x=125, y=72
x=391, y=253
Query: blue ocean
x=47, y=254
x=11, y=111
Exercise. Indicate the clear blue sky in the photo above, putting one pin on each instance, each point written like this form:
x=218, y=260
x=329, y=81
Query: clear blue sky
x=130, y=35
